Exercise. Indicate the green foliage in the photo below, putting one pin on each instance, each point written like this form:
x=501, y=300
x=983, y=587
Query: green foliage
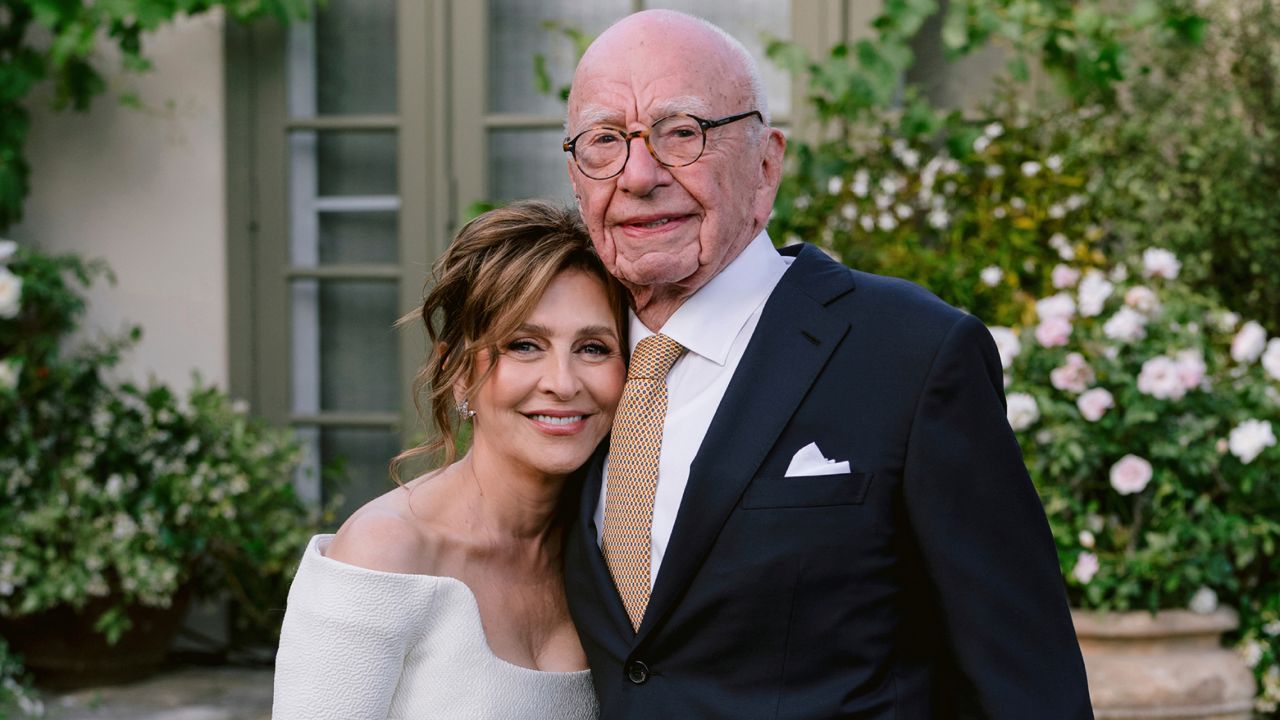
x=55, y=40
x=1087, y=46
x=17, y=698
x=1147, y=414
x=979, y=212
x=542, y=76
x=125, y=492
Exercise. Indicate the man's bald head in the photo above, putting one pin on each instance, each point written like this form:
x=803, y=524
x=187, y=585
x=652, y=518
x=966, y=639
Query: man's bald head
x=666, y=230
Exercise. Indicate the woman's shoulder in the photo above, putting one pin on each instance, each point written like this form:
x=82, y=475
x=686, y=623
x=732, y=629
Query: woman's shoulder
x=385, y=536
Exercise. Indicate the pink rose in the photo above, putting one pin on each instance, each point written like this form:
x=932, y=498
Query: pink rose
x=1064, y=276
x=1130, y=475
x=1086, y=567
x=1191, y=369
x=1095, y=403
x=1053, y=332
x=1074, y=376
x=1160, y=379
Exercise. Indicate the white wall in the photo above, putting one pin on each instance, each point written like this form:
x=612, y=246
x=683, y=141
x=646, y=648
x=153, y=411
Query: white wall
x=144, y=189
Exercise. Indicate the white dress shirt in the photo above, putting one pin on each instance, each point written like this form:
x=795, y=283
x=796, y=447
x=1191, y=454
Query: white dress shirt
x=714, y=325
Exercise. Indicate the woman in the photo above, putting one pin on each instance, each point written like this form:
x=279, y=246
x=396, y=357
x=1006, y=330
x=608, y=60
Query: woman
x=444, y=598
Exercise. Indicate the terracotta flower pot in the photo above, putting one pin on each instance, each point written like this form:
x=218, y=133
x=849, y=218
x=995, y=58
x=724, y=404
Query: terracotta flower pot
x=63, y=651
x=1168, y=665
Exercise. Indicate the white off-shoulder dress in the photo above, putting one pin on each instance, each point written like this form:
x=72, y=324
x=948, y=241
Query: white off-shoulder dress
x=359, y=644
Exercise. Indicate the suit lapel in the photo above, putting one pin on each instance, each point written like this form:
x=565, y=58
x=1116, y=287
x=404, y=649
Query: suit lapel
x=791, y=344
x=596, y=567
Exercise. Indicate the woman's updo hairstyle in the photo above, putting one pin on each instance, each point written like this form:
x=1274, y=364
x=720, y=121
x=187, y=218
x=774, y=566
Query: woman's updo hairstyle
x=481, y=289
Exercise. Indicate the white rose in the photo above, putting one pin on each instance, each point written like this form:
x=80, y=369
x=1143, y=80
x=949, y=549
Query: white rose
x=1158, y=262
x=1130, y=475
x=1087, y=539
x=1225, y=321
x=10, y=370
x=1252, y=653
x=1086, y=567
x=1094, y=291
x=10, y=293
x=1271, y=359
x=1054, y=163
x=1272, y=628
x=1022, y=411
x=1248, y=439
x=1030, y=168
x=1249, y=343
x=7, y=249
x=1127, y=325
x=1060, y=243
x=991, y=275
x=1064, y=276
x=1142, y=298
x=993, y=130
x=1007, y=345
x=1204, y=601
x=1074, y=376
x=1159, y=378
x=1061, y=305
x=835, y=185
x=1095, y=403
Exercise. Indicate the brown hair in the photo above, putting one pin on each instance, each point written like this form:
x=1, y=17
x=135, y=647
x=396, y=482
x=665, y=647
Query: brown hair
x=484, y=285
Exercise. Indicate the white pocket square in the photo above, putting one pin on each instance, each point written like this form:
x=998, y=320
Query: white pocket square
x=809, y=461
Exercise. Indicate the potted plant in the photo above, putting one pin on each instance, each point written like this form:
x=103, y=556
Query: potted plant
x=1147, y=414
x=121, y=502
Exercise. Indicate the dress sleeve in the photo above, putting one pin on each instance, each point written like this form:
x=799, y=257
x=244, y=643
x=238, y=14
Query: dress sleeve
x=344, y=640
x=985, y=541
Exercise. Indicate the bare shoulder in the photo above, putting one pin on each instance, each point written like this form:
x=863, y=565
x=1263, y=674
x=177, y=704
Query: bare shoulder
x=385, y=535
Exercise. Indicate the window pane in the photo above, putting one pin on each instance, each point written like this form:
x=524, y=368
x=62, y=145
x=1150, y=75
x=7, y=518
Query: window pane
x=748, y=21
x=358, y=237
x=355, y=57
x=356, y=163
x=365, y=453
x=516, y=34
x=359, y=357
x=527, y=164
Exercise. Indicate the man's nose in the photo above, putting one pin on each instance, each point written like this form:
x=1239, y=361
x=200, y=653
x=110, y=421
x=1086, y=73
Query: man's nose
x=643, y=173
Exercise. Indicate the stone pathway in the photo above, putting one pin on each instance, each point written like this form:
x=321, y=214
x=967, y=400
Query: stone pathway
x=203, y=693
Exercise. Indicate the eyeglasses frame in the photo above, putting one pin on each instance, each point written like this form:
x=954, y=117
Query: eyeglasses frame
x=570, y=146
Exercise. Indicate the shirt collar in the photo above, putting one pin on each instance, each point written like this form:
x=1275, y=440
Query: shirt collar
x=709, y=321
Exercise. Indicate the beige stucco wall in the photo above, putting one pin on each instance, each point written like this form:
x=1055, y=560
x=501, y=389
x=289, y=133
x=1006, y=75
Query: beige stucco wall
x=144, y=189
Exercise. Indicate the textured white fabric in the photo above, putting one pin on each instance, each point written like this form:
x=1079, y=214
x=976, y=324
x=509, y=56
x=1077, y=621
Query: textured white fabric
x=360, y=644
x=715, y=324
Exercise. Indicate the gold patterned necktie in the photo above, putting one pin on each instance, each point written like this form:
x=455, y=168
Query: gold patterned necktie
x=633, y=470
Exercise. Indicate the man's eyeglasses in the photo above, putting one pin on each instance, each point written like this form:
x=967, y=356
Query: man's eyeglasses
x=674, y=141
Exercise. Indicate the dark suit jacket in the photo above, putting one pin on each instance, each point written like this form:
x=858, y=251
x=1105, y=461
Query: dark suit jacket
x=922, y=582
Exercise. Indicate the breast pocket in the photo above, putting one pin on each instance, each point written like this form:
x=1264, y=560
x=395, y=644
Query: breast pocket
x=803, y=492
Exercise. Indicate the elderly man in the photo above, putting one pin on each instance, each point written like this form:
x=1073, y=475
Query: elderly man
x=811, y=505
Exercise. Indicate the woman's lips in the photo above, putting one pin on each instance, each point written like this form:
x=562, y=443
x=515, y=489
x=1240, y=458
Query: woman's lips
x=559, y=423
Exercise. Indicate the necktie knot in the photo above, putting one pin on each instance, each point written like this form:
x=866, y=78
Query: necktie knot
x=653, y=357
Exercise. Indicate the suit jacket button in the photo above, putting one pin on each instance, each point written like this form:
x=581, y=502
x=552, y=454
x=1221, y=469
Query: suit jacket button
x=638, y=672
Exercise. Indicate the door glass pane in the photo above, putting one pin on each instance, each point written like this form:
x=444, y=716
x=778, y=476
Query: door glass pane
x=364, y=453
x=356, y=163
x=358, y=237
x=748, y=21
x=359, y=360
x=527, y=164
x=517, y=33
x=356, y=57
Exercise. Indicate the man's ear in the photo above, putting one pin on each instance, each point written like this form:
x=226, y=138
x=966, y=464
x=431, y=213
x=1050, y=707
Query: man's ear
x=775, y=145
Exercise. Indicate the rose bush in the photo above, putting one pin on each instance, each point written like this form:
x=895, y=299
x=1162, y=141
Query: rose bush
x=122, y=492
x=1147, y=414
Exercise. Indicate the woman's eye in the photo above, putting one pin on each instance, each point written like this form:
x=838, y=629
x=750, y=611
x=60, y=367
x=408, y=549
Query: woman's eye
x=522, y=346
x=596, y=348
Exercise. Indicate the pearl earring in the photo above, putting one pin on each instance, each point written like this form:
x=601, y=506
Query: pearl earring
x=464, y=410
